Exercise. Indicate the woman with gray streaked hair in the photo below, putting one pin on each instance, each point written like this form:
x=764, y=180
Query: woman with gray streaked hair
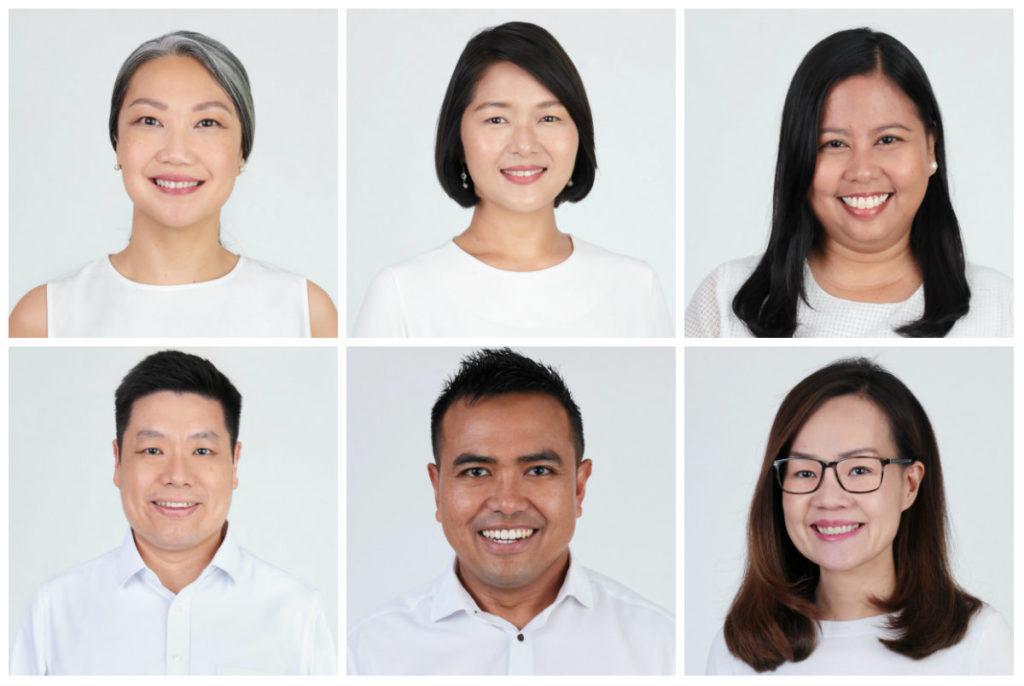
x=182, y=124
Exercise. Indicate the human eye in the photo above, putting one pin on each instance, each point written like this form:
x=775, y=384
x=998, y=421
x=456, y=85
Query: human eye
x=833, y=144
x=495, y=120
x=474, y=472
x=150, y=451
x=550, y=118
x=889, y=139
x=207, y=123
x=862, y=467
x=148, y=121
x=202, y=451
x=540, y=470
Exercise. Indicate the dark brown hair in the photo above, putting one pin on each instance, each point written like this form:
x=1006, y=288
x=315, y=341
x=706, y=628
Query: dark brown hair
x=773, y=617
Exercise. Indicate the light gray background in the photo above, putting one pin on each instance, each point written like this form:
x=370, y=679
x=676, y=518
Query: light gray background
x=738, y=67
x=627, y=531
x=399, y=64
x=68, y=205
x=732, y=395
x=65, y=509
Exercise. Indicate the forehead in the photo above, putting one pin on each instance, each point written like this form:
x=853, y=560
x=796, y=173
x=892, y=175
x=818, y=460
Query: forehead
x=171, y=410
x=871, y=99
x=175, y=77
x=847, y=422
x=506, y=426
x=504, y=81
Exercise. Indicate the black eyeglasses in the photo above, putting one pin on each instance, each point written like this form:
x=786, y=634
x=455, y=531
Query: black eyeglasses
x=861, y=474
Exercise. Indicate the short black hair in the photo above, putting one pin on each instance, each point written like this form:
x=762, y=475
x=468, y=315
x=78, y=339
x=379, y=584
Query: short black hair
x=490, y=372
x=536, y=51
x=172, y=370
x=768, y=301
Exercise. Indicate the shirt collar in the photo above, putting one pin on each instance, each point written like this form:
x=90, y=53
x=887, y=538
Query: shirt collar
x=228, y=559
x=450, y=596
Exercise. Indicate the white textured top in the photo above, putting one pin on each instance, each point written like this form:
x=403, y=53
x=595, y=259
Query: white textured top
x=253, y=299
x=448, y=292
x=113, y=616
x=595, y=626
x=710, y=312
x=853, y=648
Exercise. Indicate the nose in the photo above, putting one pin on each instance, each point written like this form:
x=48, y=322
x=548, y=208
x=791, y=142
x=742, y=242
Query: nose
x=830, y=493
x=507, y=497
x=524, y=139
x=177, y=469
x=862, y=165
x=176, y=148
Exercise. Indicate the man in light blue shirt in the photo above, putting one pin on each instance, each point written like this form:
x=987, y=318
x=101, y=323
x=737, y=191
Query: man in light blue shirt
x=179, y=596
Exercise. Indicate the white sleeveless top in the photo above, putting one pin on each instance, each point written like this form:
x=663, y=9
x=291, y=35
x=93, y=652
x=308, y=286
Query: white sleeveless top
x=253, y=299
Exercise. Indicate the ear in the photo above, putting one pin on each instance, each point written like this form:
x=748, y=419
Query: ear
x=931, y=153
x=582, y=474
x=434, y=481
x=234, y=464
x=117, y=466
x=913, y=475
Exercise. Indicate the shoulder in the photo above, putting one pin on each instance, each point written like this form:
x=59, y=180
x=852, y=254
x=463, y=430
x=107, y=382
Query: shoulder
x=599, y=258
x=988, y=280
x=28, y=319
x=412, y=607
x=721, y=661
x=709, y=312
x=86, y=579
x=444, y=257
x=989, y=640
x=627, y=601
x=257, y=269
x=323, y=316
x=273, y=582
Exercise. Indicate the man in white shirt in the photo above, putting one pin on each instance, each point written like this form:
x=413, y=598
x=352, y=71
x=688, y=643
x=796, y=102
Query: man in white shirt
x=179, y=596
x=509, y=480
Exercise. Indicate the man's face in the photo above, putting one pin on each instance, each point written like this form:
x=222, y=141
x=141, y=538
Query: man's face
x=508, y=490
x=176, y=471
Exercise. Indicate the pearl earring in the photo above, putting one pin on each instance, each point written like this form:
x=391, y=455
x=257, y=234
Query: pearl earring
x=935, y=166
x=117, y=166
x=465, y=178
x=570, y=184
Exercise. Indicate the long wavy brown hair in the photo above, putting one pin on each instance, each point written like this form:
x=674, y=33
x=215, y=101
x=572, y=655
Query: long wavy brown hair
x=773, y=618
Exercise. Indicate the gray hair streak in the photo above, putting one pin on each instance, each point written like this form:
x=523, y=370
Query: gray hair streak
x=224, y=67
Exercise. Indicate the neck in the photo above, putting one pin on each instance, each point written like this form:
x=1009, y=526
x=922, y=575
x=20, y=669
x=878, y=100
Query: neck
x=176, y=569
x=161, y=255
x=518, y=606
x=515, y=241
x=848, y=595
x=888, y=275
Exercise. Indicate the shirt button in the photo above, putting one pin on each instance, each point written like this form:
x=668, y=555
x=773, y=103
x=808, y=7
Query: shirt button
x=521, y=638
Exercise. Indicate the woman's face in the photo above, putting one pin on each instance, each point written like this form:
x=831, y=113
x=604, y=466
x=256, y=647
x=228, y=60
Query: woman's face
x=837, y=530
x=519, y=141
x=874, y=160
x=179, y=143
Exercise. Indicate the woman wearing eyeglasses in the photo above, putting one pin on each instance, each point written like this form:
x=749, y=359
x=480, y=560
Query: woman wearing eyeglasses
x=847, y=570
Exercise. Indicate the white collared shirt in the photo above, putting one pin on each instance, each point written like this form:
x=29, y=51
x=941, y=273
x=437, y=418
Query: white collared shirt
x=112, y=615
x=595, y=626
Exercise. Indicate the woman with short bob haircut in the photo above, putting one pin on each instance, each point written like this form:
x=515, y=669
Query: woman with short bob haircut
x=855, y=250
x=182, y=124
x=515, y=139
x=847, y=569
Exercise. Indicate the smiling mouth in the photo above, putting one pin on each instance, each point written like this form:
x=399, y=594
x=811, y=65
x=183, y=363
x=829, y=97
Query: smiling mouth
x=524, y=172
x=836, y=530
x=176, y=185
x=507, y=535
x=174, y=505
x=865, y=202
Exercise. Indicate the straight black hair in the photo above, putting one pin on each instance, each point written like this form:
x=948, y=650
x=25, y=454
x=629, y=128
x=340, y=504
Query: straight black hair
x=768, y=301
x=172, y=370
x=536, y=51
x=489, y=372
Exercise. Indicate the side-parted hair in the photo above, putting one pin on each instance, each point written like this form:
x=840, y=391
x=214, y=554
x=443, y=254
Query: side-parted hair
x=773, y=617
x=767, y=302
x=178, y=372
x=224, y=67
x=491, y=372
x=536, y=51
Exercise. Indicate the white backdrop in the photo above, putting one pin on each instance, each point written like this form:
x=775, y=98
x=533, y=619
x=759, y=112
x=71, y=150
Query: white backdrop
x=68, y=205
x=732, y=395
x=627, y=531
x=738, y=67
x=65, y=509
x=399, y=64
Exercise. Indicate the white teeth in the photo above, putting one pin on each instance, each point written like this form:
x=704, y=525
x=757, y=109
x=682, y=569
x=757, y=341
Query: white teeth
x=836, y=530
x=172, y=504
x=507, y=535
x=517, y=172
x=862, y=202
x=176, y=184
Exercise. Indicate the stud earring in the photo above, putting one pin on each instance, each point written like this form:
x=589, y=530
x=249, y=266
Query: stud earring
x=465, y=178
x=935, y=166
x=117, y=166
x=570, y=184
x=241, y=168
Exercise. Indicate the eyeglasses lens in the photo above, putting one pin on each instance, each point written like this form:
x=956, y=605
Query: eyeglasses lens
x=856, y=474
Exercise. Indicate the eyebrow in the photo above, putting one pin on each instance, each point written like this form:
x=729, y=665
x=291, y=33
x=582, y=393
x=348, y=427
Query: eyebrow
x=542, y=456
x=504, y=105
x=206, y=434
x=877, y=129
x=849, y=453
x=163, y=106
